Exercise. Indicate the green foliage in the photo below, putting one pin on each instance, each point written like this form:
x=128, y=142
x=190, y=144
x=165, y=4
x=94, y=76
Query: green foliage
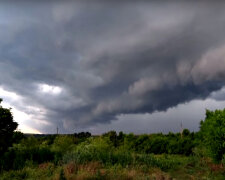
x=28, y=150
x=62, y=175
x=63, y=143
x=112, y=135
x=123, y=151
x=31, y=172
x=212, y=132
x=82, y=135
x=94, y=149
x=186, y=132
x=48, y=140
x=129, y=142
x=98, y=149
x=7, y=127
x=49, y=157
x=141, y=143
x=17, y=137
x=110, y=156
x=158, y=145
x=150, y=160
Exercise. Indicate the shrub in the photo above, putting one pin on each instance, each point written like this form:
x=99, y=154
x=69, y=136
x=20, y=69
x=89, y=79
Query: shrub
x=160, y=162
x=28, y=150
x=212, y=132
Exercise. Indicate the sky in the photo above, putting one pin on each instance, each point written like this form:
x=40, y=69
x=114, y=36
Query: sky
x=141, y=67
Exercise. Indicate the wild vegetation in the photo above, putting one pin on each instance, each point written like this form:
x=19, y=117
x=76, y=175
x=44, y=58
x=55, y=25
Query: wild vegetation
x=186, y=155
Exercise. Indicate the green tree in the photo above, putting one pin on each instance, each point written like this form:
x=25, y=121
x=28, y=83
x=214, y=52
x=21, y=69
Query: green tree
x=17, y=137
x=186, y=132
x=212, y=131
x=112, y=137
x=7, y=127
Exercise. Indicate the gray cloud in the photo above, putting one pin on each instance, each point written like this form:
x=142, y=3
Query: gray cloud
x=189, y=114
x=110, y=58
x=218, y=95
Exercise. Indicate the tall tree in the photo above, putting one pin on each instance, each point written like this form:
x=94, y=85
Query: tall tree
x=212, y=131
x=7, y=127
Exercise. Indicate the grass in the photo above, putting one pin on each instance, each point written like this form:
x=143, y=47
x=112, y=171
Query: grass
x=158, y=167
x=92, y=170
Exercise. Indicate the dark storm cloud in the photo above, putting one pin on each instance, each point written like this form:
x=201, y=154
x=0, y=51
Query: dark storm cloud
x=110, y=58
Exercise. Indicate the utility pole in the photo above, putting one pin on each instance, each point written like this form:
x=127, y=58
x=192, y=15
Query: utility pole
x=181, y=129
x=57, y=130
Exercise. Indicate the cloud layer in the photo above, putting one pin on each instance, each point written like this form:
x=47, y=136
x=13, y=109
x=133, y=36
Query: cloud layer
x=77, y=64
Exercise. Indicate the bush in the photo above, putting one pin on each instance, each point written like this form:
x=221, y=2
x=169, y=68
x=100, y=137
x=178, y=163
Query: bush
x=159, y=162
x=212, y=132
x=28, y=150
x=94, y=149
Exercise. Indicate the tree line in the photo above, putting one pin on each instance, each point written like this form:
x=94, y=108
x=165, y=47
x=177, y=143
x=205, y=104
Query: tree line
x=16, y=149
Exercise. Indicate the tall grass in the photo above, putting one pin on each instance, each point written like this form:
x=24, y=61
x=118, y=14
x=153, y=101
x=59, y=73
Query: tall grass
x=101, y=151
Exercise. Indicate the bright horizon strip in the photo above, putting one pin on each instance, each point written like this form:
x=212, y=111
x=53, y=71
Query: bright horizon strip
x=27, y=130
x=18, y=116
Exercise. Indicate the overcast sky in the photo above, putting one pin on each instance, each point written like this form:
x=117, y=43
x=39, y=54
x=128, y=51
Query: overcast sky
x=95, y=66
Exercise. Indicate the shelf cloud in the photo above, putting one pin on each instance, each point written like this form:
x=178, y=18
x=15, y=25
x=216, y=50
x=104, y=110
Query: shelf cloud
x=87, y=63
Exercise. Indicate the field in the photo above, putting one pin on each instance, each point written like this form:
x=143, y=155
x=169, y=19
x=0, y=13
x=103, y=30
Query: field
x=110, y=156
